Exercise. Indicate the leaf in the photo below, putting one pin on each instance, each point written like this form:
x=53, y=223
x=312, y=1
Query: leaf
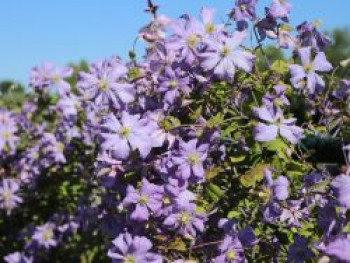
x=280, y=66
x=212, y=172
x=237, y=159
x=234, y=214
x=254, y=175
x=178, y=244
x=215, y=121
x=214, y=192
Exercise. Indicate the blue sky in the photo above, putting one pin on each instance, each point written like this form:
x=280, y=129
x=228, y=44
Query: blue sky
x=69, y=30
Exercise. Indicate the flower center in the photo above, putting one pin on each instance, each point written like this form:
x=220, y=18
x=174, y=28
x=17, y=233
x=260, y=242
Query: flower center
x=226, y=51
x=125, y=132
x=192, y=41
x=60, y=147
x=173, y=84
x=6, y=135
x=143, y=200
x=209, y=28
x=231, y=255
x=185, y=218
x=192, y=159
x=55, y=78
x=47, y=234
x=6, y=195
x=103, y=84
x=243, y=7
x=129, y=259
x=309, y=68
x=166, y=200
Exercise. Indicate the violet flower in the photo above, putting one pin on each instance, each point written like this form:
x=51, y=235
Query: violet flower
x=44, y=235
x=223, y=57
x=244, y=10
x=9, y=198
x=279, y=9
x=341, y=188
x=147, y=200
x=129, y=249
x=305, y=75
x=189, y=160
x=231, y=251
x=105, y=85
x=275, y=125
x=339, y=247
x=299, y=252
x=129, y=133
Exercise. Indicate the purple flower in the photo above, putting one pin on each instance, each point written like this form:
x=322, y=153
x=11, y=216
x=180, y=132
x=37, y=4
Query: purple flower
x=185, y=221
x=341, y=188
x=231, y=251
x=207, y=15
x=244, y=10
x=106, y=85
x=41, y=78
x=339, y=247
x=130, y=133
x=8, y=130
x=294, y=213
x=280, y=188
x=309, y=36
x=189, y=160
x=305, y=75
x=223, y=57
x=44, y=235
x=8, y=195
x=172, y=83
x=17, y=257
x=344, y=91
x=276, y=125
x=187, y=37
x=278, y=98
x=299, y=252
x=129, y=249
x=279, y=9
x=146, y=200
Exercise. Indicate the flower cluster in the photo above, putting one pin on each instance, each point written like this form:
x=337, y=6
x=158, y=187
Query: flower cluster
x=193, y=153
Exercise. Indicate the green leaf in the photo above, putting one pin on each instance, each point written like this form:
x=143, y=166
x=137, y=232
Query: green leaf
x=214, y=192
x=254, y=175
x=215, y=120
x=280, y=66
x=212, y=172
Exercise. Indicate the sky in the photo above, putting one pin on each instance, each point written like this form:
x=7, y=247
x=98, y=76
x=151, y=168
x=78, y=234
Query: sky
x=66, y=31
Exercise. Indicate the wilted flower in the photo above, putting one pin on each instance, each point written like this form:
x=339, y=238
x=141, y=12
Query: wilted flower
x=310, y=36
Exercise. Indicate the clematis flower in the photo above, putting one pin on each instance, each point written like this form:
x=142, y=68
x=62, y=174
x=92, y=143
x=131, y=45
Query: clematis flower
x=275, y=125
x=310, y=36
x=105, y=84
x=173, y=83
x=307, y=72
x=231, y=251
x=279, y=9
x=185, y=221
x=339, y=247
x=207, y=15
x=278, y=98
x=224, y=57
x=244, y=10
x=189, y=160
x=341, y=186
x=44, y=235
x=294, y=213
x=130, y=133
x=299, y=251
x=146, y=200
x=17, y=257
x=344, y=91
x=188, y=33
x=8, y=130
x=48, y=75
x=129, y=249
x=8, y=195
